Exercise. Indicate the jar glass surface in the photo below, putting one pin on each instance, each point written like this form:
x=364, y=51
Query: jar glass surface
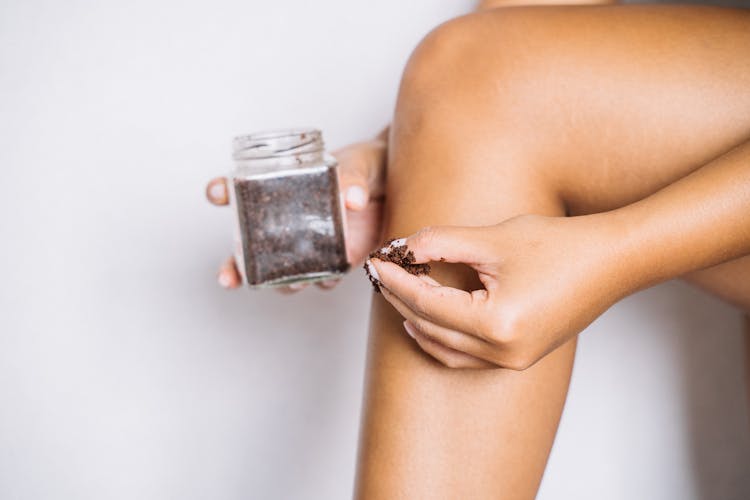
x=289, y=224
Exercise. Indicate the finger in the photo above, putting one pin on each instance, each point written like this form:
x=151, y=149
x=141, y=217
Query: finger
x=428, y=280
x=353, y=176
x=447, y=244
x=292, y=289
x=328, y=284
x=449, y=307
x=356, y=197
x=216, y=191
x=359, y=178
x=228, y=276
x=452, y=339
x=445, y=355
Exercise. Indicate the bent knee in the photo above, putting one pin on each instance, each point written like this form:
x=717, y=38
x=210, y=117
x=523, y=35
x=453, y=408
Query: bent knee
x=466, y=84
x=443, y=64
x=479, y=59
x=473, y=79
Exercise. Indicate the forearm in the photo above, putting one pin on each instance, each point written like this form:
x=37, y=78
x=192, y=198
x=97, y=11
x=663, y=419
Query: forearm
x=699, y=221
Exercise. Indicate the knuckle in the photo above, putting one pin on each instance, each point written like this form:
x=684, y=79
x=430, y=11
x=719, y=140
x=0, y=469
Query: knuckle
x=518, y=362
x=451, y=362
x=420, y=303
x=499, y=330
x=517, y=359
x=421, y=327
x=506, y=326
x=424, y=236
x=505, y=329
x=427, y=333
x=487, y=328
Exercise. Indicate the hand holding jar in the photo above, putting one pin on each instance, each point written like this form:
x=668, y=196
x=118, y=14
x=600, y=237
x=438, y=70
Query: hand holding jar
x=360, y=175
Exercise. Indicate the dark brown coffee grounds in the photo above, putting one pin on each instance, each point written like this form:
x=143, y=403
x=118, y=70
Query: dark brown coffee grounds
x=291, y=226
x=399, y=255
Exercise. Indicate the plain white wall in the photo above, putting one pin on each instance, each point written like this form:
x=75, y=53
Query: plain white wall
x=127, y=373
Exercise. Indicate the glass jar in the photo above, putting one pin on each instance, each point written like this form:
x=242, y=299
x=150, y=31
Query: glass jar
x=289, y=224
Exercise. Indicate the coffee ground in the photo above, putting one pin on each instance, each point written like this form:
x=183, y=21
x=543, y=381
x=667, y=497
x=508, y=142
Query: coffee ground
x=291, y=226
x=399, y=255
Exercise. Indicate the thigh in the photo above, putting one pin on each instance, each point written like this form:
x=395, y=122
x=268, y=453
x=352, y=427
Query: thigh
x=729, y=281
x=618, y=101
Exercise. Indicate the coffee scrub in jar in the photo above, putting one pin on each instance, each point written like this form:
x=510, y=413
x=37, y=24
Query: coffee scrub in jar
x=289, y=215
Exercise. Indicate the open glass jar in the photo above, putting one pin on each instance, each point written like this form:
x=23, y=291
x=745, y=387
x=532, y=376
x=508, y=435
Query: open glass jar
x=289, y=214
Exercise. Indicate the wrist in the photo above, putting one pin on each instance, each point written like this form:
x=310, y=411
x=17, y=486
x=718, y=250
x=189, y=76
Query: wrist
x=638, y=246
x=625, y=255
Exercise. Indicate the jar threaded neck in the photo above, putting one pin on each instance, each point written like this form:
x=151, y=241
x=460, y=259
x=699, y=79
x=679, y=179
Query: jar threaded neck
x=277, y=144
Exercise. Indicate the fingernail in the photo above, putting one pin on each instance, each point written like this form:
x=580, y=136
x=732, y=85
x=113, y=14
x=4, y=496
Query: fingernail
x=393, y=244
x=371, y=269
x=224, y=280
x=329, y=283
x=409, y=329
x=217, y=191
x=356, y=197
x=297, y=286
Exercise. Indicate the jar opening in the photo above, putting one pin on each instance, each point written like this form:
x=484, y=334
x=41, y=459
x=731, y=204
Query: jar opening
x=277, y=143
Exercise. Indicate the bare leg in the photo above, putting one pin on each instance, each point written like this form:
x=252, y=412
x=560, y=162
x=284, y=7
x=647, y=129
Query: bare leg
x=729, y=281
x=519, y=111
x=420, y=420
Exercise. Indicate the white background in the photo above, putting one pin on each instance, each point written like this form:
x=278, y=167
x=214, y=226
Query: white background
x=127, y=373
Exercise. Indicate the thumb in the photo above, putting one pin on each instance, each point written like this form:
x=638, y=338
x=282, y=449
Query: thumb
x=361, y=174
x=352, y=171
x=356, y=195
x=447, y=244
